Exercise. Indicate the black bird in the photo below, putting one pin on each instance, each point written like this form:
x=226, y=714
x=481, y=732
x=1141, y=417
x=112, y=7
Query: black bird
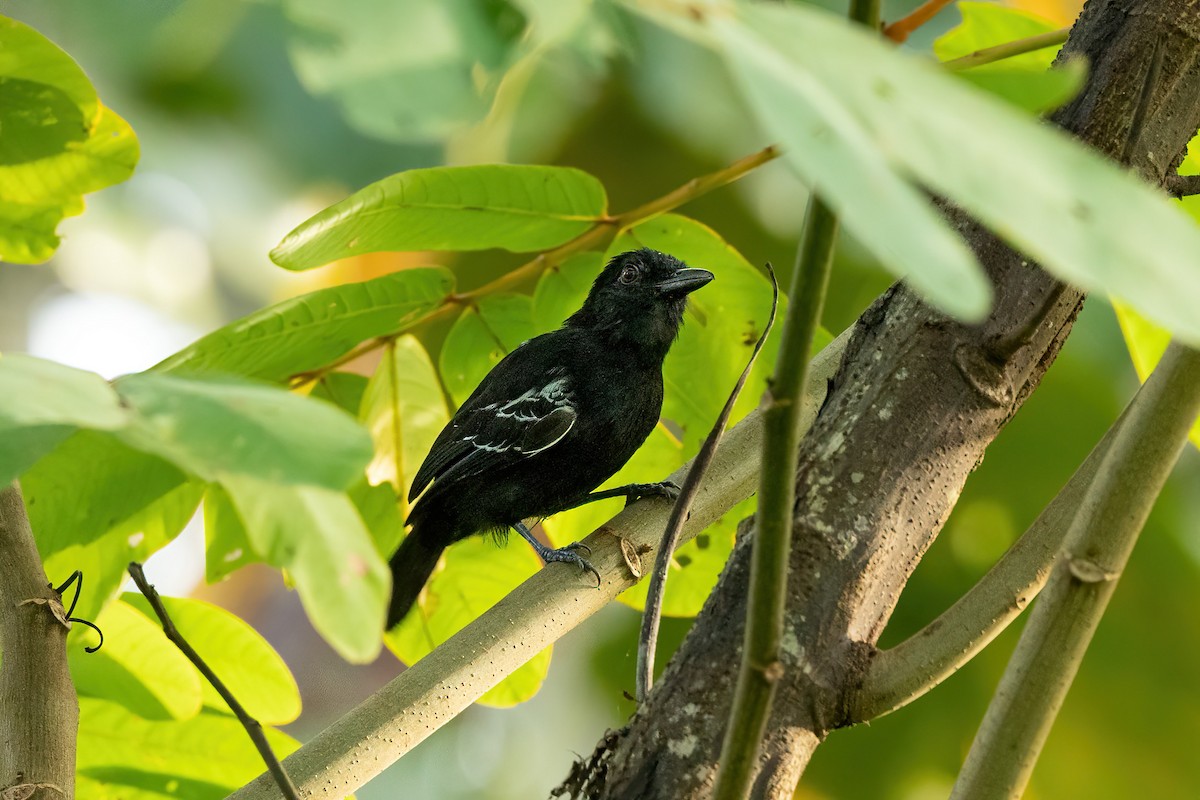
x=553, y=420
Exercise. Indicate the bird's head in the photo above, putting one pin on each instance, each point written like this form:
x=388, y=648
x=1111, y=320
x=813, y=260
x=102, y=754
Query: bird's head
x=640, y=296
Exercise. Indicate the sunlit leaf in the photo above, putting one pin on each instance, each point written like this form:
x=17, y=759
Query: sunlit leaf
x=404, y=410
x=44, y=403
x=243, y=660
x=517, y=208
x=59, y=142
x=202, y=758
x=226, y=545
x=314, y=329
x=474, y=575
x=137, y=667
x=562, y=288
x=1026, y=80
x=1081, y=217
x=481, y=336
x=1146, y=342
x=218, y=427
x=318, y=536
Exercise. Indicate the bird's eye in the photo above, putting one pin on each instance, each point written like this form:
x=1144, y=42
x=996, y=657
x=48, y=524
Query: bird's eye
x=629, y=275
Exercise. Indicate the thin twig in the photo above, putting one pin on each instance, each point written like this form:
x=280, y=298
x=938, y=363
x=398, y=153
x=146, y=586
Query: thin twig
x=253, y=727
x=760, y=668
x=652, y=617
x=1016, y=47
x=597, y=237
x=1099, y=540
x=901, y=29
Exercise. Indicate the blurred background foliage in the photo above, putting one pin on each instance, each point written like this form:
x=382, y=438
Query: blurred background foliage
x=253, y=116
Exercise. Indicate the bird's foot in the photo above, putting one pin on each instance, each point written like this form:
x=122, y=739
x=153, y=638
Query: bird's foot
x=570, y=555
x=665, y=489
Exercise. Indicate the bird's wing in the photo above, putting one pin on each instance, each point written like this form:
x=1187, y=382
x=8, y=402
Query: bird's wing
x=483, y=437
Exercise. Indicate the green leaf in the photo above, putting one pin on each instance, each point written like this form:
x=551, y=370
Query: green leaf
x=137, y=667
x=442, y=79
x=243, y=660
x=987, y=25
x=312, y=330
x=318, y=536
x=481, y=336
x=59, y=142
x=227, y=548
x=1081, y=217
x=44, y=403
x=1025, y=80
x=201, y=758
x=475, y=574
x=517, y=208
x=404, y=410
x=344, y=389
x=1146, y=342
x=216, y=428
x=124, y=506
x=833, y=153
x=379, y=507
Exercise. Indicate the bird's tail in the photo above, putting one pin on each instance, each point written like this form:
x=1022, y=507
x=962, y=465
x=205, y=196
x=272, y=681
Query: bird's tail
x=411, y=567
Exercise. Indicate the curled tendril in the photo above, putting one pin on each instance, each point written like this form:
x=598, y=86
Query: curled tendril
x=77, y=576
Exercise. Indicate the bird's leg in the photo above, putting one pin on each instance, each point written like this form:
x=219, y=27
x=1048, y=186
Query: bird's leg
x=632, y=492
x=569, y=554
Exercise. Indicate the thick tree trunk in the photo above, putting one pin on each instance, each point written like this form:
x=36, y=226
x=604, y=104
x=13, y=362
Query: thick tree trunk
x=39, y=715
x=918, y=399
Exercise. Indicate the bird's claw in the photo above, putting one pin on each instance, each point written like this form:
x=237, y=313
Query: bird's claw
x=569, y=554
x=666, y=489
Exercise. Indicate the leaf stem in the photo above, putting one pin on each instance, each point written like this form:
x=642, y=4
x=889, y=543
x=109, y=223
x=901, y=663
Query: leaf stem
x=595, y=238
x=652, y=616
x=1017, y=47
x=1098, y=543
x=901, y=29
x=760, y=667
x=253, y=727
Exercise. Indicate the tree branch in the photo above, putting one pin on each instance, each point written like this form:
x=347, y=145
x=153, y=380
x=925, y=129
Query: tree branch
x=39, y=715
x=901, y=674
x=537, y=613
x=989, y=55
x=1100, y=539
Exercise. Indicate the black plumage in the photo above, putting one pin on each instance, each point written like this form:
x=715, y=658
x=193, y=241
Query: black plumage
x=553, y=420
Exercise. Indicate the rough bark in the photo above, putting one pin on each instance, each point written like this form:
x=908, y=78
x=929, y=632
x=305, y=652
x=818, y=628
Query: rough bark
x=915, y=404
x=39, y=715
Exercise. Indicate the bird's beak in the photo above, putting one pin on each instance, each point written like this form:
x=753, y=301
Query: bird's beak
x=685, y=281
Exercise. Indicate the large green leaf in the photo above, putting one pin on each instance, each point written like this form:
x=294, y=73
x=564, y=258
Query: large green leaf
x=517, y=208
x=44, y=403
x=404, y=410
x=226, y=546
x=243, y=660
x=59, y=142
x=475, y=574
x=124, y=505
x=833, y=154
x=1025, y=80
x=214, y=428
x=1082, y=217
x=562, y=288
x=137, y=667
x=441, y=80
x=314, y=329
x=318, y=536
x=482, y=336
x=206, y=757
